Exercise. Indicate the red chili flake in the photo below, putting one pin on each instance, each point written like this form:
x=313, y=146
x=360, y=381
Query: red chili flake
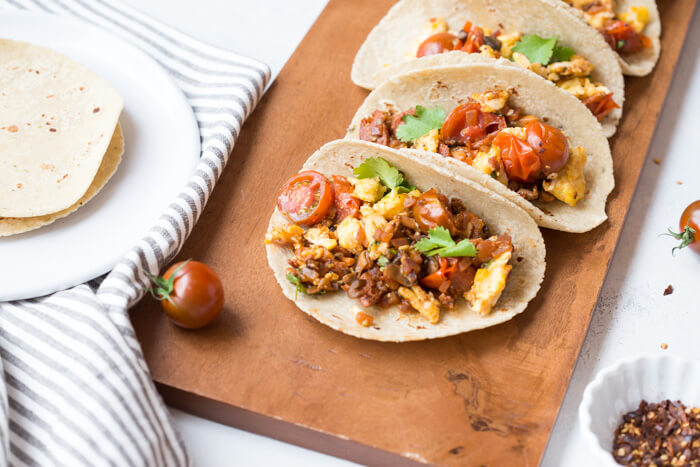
x=52, y=130
x=12, y=129
x=668, y=290
x=95, y=110
x=19, y=185
x=50, y=96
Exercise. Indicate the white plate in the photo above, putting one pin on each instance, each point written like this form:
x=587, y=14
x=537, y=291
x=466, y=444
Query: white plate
x=162, y=147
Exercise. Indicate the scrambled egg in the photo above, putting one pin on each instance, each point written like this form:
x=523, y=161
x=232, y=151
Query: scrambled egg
x=517, y=131
x=351, y=234
x=507, y=43
x=434, y=26
x=487, y=51
x=575, y=66
x=391, y=205
x=569, y=184
x=372, y=221
x=290, y=234
x=424, y=302
x=428, y=142
x=489, y=283
x=582, y=87
x=367, y=189
x=637, y=17
x=491, y=101
x=321, y=236
x=482, y=159
x=523, y=61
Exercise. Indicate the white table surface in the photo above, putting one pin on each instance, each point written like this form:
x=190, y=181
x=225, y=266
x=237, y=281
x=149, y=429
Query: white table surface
x=632, y=316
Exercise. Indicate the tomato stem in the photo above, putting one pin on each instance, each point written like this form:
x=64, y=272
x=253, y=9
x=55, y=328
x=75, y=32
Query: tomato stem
x=686, y=237
x=162, y=288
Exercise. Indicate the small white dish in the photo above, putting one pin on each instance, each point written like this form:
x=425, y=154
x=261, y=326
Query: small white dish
x=162, y=147
x=620, y=388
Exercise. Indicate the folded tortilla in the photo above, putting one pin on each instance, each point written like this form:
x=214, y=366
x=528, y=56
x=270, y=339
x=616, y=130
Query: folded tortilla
x=390, y=47
x=110, y=162
x=56, y=123
x=447, y=87
x=501, y=216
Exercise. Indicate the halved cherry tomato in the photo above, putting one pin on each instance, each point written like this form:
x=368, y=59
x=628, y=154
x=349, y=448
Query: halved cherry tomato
x=431, y=211
x=190, y=292
x=467, y=123
x=475, y=38
x=437, y=44
x=305, y=198
x=439, y=277
x=689, y=233
x=622, y=37
x=519, y=159
x=549, y=144
x=600, y=105
x=346, y=204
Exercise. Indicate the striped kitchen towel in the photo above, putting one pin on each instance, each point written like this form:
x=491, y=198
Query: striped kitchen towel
x=74, y=387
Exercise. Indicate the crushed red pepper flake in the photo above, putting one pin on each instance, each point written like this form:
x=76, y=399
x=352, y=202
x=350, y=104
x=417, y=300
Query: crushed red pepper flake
x=664, y=345
x=679, y=182
x=663, y=434
x=668, y=290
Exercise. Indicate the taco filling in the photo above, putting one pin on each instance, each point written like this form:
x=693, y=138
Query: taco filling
x=622, y=31
x=386, y=243
x=544, y=56
x=520, y=151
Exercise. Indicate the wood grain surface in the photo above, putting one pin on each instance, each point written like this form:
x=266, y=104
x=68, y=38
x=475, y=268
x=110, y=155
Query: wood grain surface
x=488, y=397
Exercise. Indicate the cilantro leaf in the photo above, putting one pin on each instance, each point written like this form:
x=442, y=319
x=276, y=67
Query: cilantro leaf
x=382, y=261
x=537, y=49
x=463, y=248
x=378, y=167
x=295, y=281
x=562, y=53
x=424, y=121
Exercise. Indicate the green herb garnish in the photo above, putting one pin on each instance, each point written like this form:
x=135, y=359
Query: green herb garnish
x=620, y=44
x=439, y=242
x=424, y=121
x=382, y=261
x=543, y=51
x=297, y=282
x=388, y=175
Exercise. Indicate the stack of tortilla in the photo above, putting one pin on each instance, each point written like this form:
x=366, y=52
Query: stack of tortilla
x=60, y=139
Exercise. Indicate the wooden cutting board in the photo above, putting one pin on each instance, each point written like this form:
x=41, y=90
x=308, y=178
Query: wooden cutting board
x=488, y=397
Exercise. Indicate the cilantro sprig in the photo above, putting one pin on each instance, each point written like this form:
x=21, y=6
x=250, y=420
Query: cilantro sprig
x=424, y=121
x=388, y=175
x=543, y=50
x=296, y=282
x=439, y=242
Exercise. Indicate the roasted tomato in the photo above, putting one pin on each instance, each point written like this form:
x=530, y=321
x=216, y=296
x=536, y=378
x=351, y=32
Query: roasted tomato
x=437, y=44
x=305, y=198
x=600, y=105
x=431, y=211
x=467, y=123
x=689, y=226
x=190, y=292
x=549, y=144
x=521, y=162
x=442, y=275
x=622, y=37
x=346, y=205
x=475, y=38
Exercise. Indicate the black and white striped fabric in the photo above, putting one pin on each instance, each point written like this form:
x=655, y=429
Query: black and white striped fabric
x=74, y=387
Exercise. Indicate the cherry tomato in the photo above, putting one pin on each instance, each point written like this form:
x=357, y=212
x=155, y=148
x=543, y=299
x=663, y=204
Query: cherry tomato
x=190, y=292
x=467, y=123
x=549, y=144
x=431, y=211
x=346, y=204
x=519, y=159
x=437, y=44
x=305, y=198
x=439, y=277
x=600, y=105
x=689, y=226
x=475, y=38
x=622, y=37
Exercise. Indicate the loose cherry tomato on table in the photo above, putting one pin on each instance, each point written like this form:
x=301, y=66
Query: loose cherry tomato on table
x=346, y=204
x=190, y=292
x=431, y=211
x=437, y=44
x=520, y=161
x=467, y=123
x=689, y=225
x=549, y=144
x=305, y=198
x=623, y=38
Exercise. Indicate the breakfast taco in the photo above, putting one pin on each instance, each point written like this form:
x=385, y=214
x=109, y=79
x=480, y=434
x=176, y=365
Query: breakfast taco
x=630, y=27
x=379, y=244
x=504, y=128
x=544, y=36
